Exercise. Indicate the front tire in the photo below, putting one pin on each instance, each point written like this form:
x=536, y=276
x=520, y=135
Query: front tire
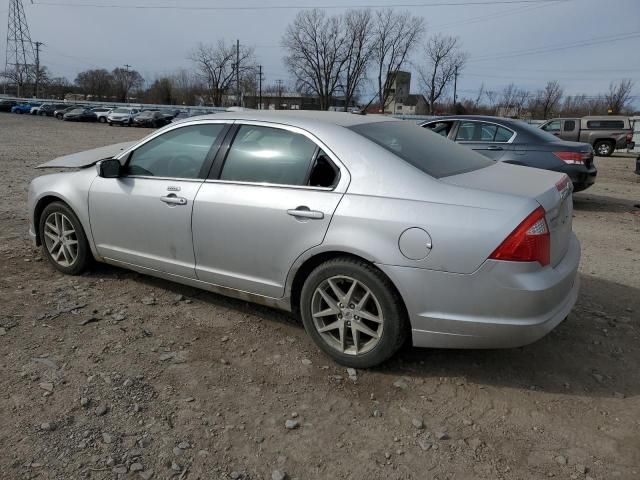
x=353, y=312
x=102, y=120
x=603, y=148
x=64, y=242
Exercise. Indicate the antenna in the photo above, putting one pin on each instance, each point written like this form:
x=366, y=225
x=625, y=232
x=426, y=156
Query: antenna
x=20, y=57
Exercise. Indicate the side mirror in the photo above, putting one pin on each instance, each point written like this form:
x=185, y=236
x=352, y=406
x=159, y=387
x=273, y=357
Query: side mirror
x=109, y=168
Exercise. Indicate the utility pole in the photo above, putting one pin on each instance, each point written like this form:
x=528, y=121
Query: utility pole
x=37, y=82
x=126, y=84
x=259, y=87
x=279, y=82
x=238, y=72
x=19, y=53
x=455, y=89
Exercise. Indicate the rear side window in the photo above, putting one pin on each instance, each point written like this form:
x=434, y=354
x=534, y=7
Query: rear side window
x=569, y=125
x=482, y=132
x=428, y=152
x=605, y=124
x=268, y=155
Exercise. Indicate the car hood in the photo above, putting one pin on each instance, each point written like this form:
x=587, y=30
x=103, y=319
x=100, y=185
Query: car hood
x=88, y=157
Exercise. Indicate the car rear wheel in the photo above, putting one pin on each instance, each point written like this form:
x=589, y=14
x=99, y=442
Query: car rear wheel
x=603, y=148
x=353, y=313
x=64, y=242
x=102, y=120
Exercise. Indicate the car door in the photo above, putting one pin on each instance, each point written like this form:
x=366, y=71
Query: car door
x=143, y=217
x=489, y=139
x=270, y=197
x=570, y=130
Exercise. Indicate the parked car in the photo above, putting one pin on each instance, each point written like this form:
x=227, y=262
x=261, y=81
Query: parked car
x=49, y=109
x=183, y=114
x=369, y=229
x=7, y=105
x=605, y=133
x=23, y=107
x=80, y=115
x=150, y=118
x=514, y=141
x=35, y=109
x=102, y=113
x=59, y=114
x=122, y=116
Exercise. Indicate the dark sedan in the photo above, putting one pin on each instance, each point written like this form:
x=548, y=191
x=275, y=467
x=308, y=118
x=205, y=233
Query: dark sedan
x=49, y=109
x=514, y=141
x=151, y=118
x=80, y=115
x=7, y=105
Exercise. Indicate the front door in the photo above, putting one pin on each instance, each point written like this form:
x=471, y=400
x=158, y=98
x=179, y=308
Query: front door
x=143, y=218
x=272, y=200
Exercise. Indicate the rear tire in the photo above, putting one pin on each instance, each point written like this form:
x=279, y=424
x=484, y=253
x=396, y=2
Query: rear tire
x=604, y=148
x=353, y=312
x=102, y=120
x=64, y=242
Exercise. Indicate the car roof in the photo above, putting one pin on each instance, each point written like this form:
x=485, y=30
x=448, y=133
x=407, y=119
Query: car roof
x=300, y=118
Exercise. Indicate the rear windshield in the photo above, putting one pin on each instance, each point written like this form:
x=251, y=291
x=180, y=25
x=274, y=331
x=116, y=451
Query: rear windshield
x=605, y=124
x=425, y=150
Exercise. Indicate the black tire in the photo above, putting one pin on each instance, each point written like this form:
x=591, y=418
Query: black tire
x=84, y=257
x=604, y=148
x=102, y=119
x=395, y=323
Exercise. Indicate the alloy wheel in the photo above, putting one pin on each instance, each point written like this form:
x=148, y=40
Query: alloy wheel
x=61, y=239
x=347, y=315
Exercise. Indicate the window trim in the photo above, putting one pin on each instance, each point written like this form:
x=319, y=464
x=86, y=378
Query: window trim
x=221, y=157
x=206, y=166
x=514, y=134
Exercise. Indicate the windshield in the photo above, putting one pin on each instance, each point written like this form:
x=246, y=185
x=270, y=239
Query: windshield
x=425, y=150
x=121, y=110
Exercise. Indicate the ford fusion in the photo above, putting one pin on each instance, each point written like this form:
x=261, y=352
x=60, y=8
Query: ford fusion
x=372, y=231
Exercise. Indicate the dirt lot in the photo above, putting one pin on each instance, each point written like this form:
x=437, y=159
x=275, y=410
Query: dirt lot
x=171, y=382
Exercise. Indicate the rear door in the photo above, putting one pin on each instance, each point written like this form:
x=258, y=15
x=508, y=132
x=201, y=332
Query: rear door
x=489, y=139
x=271, y=196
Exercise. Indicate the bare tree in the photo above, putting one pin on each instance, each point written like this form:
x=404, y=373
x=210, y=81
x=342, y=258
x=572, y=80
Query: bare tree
x=125, y=81
x=619, y=96
x=358, y=50
x=513, y=100
x=394, y=36
x=97, y=82
x=315, y=53
x=444, y=59
x=548, y=99
x=217, y=67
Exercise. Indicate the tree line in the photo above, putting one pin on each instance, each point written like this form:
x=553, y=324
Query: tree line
x=340, y=56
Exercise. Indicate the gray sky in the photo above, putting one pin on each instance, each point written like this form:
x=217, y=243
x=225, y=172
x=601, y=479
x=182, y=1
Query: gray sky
x=158, y=41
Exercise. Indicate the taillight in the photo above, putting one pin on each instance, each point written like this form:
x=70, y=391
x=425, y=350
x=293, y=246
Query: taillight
x=573, y=158
x=529, y=242
x=629, y=137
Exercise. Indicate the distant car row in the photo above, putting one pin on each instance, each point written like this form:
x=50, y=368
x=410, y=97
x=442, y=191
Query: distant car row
x=125, y=116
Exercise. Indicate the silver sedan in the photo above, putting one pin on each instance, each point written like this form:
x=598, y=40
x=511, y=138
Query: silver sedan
x=372, y=231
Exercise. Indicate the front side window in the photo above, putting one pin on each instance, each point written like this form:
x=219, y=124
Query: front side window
x=441, y=128
x=178, y=153
x=268, y=155
x=432, y=154
x=552, y=126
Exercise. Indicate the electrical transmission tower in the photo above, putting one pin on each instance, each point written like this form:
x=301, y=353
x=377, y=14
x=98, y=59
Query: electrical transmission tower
x=20, y=57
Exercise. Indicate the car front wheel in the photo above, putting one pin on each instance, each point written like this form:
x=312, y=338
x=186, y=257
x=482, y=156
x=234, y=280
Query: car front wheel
x=64, y=242
x=353, y=312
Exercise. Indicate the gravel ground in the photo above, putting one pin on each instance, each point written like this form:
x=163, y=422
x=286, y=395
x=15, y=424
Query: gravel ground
x=117, y=375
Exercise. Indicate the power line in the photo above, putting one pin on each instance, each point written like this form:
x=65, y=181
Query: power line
x=459, y=3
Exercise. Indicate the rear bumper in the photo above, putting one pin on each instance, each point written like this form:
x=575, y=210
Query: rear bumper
x=501, y=305
x=581, y=176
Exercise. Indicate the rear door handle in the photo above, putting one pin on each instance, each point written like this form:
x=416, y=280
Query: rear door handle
x=304, y=212
x=494, y=147
x=174, y=200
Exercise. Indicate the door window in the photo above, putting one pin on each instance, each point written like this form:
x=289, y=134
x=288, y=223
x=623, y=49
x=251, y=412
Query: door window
x=441, y=128
x=465, y=131
x=268, y=155
x=569, y=125
x=482, y=132
x=552, y=126
x=178, y=153
x=503, y=134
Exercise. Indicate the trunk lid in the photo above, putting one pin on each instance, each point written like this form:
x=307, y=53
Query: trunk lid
x=552, y=190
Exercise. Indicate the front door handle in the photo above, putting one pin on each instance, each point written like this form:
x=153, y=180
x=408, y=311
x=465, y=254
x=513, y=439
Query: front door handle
x=304, y=212
x=174, y=200
x=494, y=147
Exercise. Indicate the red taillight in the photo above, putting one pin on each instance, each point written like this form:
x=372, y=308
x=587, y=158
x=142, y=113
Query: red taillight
x=629, y=137
x=529, y=242
x=574, y=158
